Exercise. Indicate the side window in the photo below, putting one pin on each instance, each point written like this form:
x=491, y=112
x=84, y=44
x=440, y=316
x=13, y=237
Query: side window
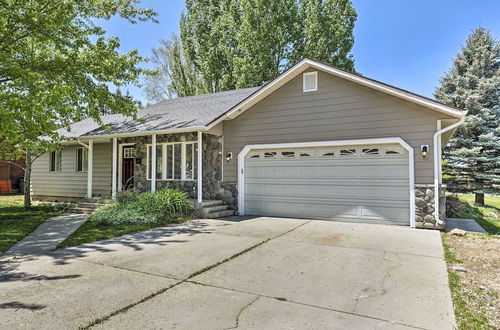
x=55, y=161
x=82, y=159
x=347, y=152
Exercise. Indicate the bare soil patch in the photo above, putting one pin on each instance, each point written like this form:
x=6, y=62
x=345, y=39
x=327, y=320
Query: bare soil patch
x=476, y=292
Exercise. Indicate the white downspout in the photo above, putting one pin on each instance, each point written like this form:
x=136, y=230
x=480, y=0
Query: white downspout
x=437, y=165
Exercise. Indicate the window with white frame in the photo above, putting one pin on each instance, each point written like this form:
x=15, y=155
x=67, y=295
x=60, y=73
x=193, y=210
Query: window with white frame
x=174, y=161
x=82, y=159
x=55, y=161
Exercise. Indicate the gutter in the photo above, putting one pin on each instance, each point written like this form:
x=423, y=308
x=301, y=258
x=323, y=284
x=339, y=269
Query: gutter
x=437, y=159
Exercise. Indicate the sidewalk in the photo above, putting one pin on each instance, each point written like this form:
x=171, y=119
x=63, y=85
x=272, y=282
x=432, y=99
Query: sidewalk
x=47, y=236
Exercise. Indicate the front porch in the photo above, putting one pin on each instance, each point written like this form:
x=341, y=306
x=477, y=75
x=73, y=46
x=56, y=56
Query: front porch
x=158, y=161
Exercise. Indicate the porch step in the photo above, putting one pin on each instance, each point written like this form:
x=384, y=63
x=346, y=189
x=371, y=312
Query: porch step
x=215, y=208
x=209, y=203
x=82, y=210
x=89, y=205
x=220, y=214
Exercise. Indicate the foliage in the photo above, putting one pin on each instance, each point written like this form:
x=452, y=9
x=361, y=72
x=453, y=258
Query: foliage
x=126, y=196
x=145, y=208
x=232, y=44
x=56, y=67
x=473, y=84
x=487, y=216
x=15, y=223
x=175, y=75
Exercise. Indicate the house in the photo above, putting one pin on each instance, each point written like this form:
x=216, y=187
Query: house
x=316, y=142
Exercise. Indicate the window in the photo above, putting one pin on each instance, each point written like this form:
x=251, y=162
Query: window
x=329, y=154
x=255, y=156
x=82, y=159
x=347, y=152
x=304, y=154
x=288, y=154
x=128, y=152
x=270, y=154
x=370, y=151
x=174, y=161
x=55, y=161
x=393, y=151
x=310, y=81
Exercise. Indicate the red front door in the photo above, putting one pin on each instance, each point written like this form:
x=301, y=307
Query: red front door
x=127, y=171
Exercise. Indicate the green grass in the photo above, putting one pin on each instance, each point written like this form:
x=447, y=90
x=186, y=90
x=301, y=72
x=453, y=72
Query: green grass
x=465, y=317
x=483, y=214
x=16, y=223
x=90, y=232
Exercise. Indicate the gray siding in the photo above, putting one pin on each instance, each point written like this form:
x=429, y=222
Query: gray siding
x=340, y=109
x=68, y=182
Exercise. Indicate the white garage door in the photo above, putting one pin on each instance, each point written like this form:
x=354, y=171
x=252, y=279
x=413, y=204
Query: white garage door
x=367, y=183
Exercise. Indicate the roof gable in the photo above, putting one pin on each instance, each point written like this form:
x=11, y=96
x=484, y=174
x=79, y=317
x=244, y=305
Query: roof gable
x=306, y=64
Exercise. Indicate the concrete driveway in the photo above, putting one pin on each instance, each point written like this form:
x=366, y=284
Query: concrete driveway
x=261, y=273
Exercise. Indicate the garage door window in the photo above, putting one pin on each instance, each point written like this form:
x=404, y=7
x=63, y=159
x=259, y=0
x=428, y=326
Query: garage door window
x=347, y=152
x=370, y=151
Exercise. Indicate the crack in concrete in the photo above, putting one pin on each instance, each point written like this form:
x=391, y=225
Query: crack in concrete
x=154, y=294
x=382, y=283
x=303, y=304
x=241, y=312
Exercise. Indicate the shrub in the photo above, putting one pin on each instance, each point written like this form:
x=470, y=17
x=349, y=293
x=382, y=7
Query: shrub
x=457, y=208
x=126, y=196
x=139, y=208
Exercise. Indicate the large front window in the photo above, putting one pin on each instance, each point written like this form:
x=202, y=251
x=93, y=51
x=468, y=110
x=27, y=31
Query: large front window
x=174, y=161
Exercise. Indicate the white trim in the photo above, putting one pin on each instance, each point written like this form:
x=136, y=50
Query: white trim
x=306, y=74
x=83, y=153
x=90, y=171
x=153, y=163
x=114, y=168
x=440, y=167
x=200, y=168
x=437, y=165
x=403, y=143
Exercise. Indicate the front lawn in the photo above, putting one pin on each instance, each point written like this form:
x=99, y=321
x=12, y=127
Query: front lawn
x=475, y=288
x=132, y=212
x=90, y=232
x=487, y=216
x=16, y=223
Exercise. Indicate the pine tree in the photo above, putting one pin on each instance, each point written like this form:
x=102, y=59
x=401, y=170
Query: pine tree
x=472, y=158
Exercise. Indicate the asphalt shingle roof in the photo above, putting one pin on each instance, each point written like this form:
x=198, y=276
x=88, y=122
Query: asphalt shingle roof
x=185, y=112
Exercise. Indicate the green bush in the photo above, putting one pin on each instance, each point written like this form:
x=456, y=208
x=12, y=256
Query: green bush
x=126, y=196
x=142, y=208
x=457, y=208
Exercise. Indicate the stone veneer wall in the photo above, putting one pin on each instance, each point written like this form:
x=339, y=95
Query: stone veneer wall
x=424, y=206
x=213, y=188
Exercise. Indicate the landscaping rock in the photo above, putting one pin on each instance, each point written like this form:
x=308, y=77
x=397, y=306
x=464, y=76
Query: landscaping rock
x=460, y=269
x=458, y=232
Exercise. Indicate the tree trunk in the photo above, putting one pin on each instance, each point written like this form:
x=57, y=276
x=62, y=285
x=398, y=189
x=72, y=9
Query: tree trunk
x=27, y=181
x=479, y=199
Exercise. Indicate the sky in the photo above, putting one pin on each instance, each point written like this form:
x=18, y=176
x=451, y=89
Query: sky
x=406, y=43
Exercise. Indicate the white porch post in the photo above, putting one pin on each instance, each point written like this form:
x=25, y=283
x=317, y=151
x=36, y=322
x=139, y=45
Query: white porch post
x=200, y=169
x=114, y=174
x=90, y=168
x=153, y=163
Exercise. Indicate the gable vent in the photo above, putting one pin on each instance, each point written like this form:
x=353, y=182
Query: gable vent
x=310, y=81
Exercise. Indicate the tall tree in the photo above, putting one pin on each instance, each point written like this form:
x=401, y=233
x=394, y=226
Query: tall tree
x=472, y=157
x=243, y=43
x=56, y=67
x=327, y=27
x=175, y=75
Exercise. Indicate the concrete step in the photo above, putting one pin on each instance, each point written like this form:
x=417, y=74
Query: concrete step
x=215, y=208
x=82, y=210
x=210, y=203
x=98, y=200
x=220, y=214
x=91, y=205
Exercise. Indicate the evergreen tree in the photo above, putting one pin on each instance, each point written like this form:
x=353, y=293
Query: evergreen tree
x=231, y=44
x=472, y=158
